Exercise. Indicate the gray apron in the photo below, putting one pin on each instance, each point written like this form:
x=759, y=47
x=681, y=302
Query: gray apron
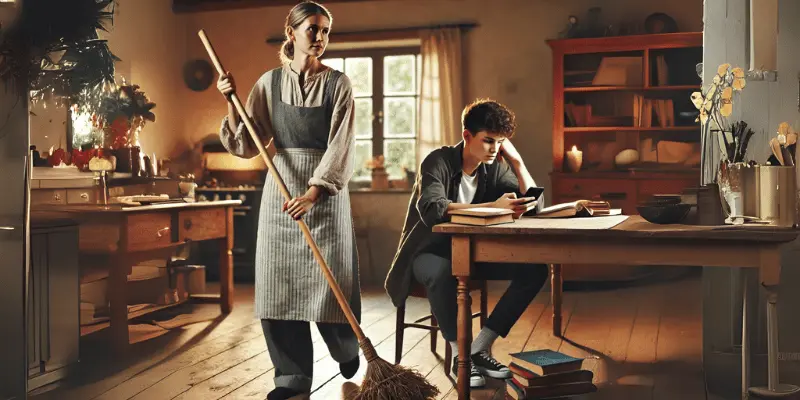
x=289, y=281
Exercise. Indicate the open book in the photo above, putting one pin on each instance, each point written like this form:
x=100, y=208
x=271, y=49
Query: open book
x=482, y=216
x=578, y=208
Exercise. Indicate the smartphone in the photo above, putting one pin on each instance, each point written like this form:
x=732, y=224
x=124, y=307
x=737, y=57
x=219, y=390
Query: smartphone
x=533, y=193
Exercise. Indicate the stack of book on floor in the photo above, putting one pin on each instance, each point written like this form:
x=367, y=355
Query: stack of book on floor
x=542, y=374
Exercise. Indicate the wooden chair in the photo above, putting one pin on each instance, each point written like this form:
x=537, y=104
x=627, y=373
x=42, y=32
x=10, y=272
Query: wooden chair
x=417, y=290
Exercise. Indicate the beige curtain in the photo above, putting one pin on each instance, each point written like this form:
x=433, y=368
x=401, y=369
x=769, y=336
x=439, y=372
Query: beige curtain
x=441, y=96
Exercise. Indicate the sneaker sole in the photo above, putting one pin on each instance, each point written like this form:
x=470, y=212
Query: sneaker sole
x=495, y=374
x=473, y=382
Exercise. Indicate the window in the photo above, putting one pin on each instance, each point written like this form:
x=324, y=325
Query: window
x=386, y=90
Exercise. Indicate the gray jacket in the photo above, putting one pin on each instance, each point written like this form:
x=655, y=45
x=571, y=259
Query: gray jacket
x=436, y=186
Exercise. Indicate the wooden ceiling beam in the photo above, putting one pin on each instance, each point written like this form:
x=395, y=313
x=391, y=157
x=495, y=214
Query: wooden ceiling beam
x=188, y=6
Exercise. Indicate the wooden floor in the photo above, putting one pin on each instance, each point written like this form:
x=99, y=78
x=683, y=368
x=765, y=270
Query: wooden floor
x=642, y=343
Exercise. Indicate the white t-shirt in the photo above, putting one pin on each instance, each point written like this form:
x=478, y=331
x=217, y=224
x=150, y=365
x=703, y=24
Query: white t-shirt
x=467, y=188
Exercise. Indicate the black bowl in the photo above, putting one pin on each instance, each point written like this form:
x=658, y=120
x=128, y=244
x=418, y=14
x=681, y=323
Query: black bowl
x=664, y=214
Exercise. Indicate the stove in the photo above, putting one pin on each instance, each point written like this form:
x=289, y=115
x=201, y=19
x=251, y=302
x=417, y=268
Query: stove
x=227, y=177
x=245, y=226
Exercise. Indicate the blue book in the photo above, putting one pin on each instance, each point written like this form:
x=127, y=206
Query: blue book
x=544, y=362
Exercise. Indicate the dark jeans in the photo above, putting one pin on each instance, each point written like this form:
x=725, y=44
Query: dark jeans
x=291, y=349
x=435, y=273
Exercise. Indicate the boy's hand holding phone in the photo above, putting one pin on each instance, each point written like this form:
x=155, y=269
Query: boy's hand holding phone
x=519, y=206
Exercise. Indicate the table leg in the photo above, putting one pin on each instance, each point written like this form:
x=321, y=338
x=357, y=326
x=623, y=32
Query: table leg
x=770, y=280
x=464, y=336
x=462, y=268
x=556, y=290
x=226, y=266
x=745, y=338
x=117, y=294
x=225, y=277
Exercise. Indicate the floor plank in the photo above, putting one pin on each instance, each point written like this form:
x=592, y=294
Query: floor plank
x=644, y=343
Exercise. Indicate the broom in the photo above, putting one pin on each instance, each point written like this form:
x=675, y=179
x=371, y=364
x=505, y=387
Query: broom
x=383, y=380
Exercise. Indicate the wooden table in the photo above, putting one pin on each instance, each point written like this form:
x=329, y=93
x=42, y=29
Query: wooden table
x=633, y=242
x=117, y=238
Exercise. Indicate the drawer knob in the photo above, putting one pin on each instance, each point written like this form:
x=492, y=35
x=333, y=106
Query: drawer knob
x=163, y=231
x=85, y=196
x=57, y=197
x=187, y=224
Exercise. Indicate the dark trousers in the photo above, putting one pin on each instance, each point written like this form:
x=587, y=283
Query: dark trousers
x=435, y=273
x=292, y=350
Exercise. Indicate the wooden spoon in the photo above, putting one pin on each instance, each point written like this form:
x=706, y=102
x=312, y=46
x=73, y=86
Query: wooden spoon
x=776, y=150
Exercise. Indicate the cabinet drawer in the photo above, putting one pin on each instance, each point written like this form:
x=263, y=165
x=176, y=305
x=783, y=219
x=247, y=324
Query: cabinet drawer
x=663, y=186
x=605, y=189
x=201, y=224
x=81, y=196
x=48, y=196
x=149, y=230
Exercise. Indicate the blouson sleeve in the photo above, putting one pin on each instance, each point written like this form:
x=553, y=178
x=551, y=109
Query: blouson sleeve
x=338, y=163
x=240, y=143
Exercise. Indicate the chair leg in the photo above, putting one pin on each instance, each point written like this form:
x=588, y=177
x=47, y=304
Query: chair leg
x=484, y=304
x=448, y=358
x=398, y=333
x=434, y=333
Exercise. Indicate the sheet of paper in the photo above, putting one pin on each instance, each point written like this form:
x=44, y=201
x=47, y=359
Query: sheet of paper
x=604, y=222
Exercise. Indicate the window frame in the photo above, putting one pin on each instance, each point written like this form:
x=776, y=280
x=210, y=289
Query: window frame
x=378, y=113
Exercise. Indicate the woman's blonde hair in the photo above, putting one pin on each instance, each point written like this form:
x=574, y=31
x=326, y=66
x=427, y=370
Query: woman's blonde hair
x=296, y=16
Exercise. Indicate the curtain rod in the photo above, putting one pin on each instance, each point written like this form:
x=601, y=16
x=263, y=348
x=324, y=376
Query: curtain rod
x=464, y=26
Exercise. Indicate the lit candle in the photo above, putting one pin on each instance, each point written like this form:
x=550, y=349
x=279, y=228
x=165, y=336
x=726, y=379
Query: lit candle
x=574, y=159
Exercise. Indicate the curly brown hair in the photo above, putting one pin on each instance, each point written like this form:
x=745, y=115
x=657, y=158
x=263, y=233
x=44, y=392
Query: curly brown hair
x=490, y=116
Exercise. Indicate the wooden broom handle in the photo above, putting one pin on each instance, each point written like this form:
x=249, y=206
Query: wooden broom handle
x=337, y=291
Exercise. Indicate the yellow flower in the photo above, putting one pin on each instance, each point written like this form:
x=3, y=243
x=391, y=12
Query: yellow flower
x=726, y=103
x=738, y=79
x=723, y=69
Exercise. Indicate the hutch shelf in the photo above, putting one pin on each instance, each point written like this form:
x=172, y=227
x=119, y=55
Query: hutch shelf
x=628, y=92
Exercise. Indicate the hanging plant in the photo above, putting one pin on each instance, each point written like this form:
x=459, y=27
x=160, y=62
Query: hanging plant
x=53, y=47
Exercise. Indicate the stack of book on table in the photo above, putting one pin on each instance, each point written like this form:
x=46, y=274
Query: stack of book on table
x=542, y=374
x=482, y=216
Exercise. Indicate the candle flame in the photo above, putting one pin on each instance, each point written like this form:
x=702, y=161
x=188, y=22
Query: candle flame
x=574, y=149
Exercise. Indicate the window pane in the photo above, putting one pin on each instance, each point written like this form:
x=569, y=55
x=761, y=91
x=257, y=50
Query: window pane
x=400, y=118
x=398, y=75
x=363, y=154
x=359, y=70
x=363, y=118
x=399, y=154
x=335, y=63
x=419, y=73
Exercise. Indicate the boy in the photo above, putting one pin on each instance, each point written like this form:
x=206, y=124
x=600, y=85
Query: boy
x=463, y=176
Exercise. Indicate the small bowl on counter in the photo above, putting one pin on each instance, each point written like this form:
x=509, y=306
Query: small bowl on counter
x=664, y=210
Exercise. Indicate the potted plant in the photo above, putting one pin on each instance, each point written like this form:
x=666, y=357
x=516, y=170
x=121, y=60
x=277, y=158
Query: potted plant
x=121, y=112
x=380, y=178
x=715, y=104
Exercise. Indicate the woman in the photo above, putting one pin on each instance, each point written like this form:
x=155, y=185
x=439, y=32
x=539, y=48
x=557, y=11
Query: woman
x=306, y=110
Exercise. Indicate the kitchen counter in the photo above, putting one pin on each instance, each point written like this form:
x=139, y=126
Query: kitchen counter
x=116, y=208
x=115, y=238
